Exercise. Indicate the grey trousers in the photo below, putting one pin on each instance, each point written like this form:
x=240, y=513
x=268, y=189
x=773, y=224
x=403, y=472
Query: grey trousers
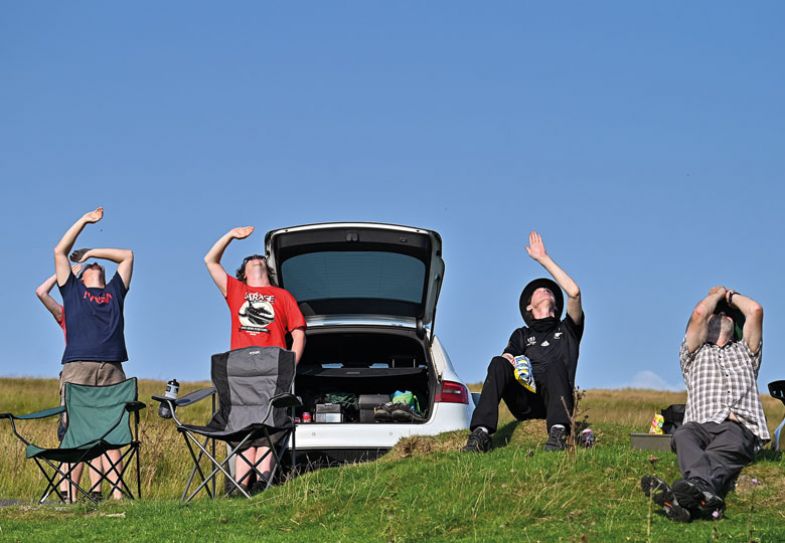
x=714, y=453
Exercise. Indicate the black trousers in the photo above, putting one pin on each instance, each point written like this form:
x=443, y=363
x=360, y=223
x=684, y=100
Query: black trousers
x=714, y=453
x=553, y=384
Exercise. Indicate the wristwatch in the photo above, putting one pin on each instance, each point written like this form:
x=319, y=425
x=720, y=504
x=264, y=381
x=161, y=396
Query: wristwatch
x=730, y=296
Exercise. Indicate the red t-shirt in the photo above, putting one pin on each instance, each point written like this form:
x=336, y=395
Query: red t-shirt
x=261, y=316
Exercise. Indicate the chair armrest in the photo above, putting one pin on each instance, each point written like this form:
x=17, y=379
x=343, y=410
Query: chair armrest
x=285, y=399
x=188, y=399
x=777, y=390
x=134, y=406
x=37, y=415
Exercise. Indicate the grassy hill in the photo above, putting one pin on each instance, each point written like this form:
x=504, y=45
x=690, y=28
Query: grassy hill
x=423, y=490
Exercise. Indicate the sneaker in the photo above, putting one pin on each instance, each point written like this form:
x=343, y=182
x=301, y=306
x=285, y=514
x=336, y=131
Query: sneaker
x=586, y=438
x=662, y=495
x=383, y=412
x=96, y=496
x=479, y=441
x=260, y=485
x=695, y=495
x=557, y=438
x=404, y=413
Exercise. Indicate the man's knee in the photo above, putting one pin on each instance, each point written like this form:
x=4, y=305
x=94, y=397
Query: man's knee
x=500, y=364
x=685, y=432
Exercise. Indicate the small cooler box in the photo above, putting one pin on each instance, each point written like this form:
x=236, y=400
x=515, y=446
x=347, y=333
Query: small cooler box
x=328, y=412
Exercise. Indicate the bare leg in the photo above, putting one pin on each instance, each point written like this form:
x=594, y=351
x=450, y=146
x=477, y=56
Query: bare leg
x=267, y=465
x=241, y=467
x=112, y=473
x=66, y=488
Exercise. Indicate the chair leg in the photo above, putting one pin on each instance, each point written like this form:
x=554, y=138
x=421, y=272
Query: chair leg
x=277, y=455
x=120, y=484
x=138, y=459
x=197, y=469
x=56, y=478
x=219, y=467
x=777, y=432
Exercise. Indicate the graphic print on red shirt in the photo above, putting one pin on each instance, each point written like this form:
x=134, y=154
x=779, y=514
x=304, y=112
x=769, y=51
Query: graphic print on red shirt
x=261, y=316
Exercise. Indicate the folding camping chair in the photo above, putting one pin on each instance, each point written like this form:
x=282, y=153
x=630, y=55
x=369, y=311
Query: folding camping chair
x=777, y=390
x=98, y=421
x=254, y=387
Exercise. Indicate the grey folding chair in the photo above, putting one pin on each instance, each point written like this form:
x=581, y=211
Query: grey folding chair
x=254, y=402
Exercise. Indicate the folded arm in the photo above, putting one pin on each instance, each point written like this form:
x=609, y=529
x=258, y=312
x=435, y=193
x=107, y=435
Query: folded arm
x=536, y=250
x=124, y=258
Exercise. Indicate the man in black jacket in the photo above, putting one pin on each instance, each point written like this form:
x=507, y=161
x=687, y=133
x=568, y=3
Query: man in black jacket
x=552, y=346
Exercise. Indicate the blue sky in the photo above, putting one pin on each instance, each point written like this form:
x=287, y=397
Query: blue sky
x=644, y=141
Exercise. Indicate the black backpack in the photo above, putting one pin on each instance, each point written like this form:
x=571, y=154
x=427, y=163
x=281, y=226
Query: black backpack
x=674, y=417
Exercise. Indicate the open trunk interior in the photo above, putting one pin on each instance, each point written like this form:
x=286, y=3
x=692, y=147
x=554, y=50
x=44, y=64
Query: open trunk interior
x=344, y=374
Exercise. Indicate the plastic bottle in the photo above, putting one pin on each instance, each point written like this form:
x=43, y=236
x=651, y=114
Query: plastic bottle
x=172, y=388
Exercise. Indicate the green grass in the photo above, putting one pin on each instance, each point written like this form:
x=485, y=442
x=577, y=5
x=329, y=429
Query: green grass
x=424, y=490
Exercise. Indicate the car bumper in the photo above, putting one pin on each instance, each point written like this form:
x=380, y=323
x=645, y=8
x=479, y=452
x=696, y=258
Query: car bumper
x=447, y=417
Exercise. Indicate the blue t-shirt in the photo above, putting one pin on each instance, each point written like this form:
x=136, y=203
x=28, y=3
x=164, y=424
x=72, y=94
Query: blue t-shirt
x=94, y=321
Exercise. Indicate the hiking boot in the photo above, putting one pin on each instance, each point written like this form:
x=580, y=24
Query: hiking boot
x=696, y=496
x=404, y=413
x=557, y=438
x=479, y=441
x=662, y=495
x=383, y=412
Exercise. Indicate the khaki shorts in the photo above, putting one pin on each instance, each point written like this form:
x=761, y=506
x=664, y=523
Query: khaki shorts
x=90, y=373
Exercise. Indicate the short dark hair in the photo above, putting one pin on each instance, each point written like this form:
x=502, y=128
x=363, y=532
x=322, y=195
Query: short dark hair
x=240, y=274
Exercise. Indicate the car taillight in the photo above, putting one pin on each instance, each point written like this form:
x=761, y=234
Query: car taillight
x=452, y=392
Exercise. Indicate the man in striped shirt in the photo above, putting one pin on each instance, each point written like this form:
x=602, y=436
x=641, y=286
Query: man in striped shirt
x=724, y=423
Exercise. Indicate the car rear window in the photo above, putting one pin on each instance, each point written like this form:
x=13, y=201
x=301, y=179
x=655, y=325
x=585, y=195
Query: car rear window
x=354, y=275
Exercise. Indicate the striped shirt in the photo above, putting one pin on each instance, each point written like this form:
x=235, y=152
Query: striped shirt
x=721, y=383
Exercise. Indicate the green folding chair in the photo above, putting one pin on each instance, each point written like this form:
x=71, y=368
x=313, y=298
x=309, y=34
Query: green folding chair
x=99, y=420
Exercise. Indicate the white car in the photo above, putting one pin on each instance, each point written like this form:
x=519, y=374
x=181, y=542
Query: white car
x=368, y=292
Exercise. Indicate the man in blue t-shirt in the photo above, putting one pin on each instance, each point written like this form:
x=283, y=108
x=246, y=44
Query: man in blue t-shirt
x=94, y=325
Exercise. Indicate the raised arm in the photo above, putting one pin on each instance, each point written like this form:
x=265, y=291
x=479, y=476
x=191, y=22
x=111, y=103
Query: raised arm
x=698, y=327
x=213, y=257
x=50, y=303
x=753, y=315
x=124, y=258
x=63, y=247
x=536, y=250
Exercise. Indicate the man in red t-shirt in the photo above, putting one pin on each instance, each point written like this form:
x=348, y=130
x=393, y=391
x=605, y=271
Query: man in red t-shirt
x=261, y=316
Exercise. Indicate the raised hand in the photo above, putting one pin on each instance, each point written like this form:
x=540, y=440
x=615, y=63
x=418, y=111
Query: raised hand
x=94, y=216
x=75, y=269
x=719, y=289
x=241, y=232
x=79, y=255
x=536, y=247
